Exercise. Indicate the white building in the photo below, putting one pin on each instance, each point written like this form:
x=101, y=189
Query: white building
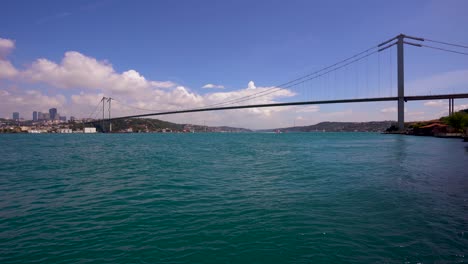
x=90, y=130
x=65, y=130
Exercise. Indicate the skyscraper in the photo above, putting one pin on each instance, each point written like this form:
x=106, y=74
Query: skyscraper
x=52, y=113
x=15, y=116
x=34, y=116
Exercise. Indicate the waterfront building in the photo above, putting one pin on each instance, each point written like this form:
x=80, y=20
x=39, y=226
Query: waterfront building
x=90, y=130
x=16, y=116
x=65, y=131
x=35, y=116
x=43, y=116
x=52, y=113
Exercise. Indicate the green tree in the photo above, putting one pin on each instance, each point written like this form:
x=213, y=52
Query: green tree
x=458, y=120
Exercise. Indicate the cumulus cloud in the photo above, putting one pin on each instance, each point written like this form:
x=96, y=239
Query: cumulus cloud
x=308, y=109
x=212, y=86
x=7, y=70
x=437, y=103
x=389, y=110
x=27, y=101
x=251, y=85
x=460, y=107
x=79, y=71
x=6, y=46
x=179, y=97
x=87, y=79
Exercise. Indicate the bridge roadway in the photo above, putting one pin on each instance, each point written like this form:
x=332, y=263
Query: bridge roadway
x=381, y=99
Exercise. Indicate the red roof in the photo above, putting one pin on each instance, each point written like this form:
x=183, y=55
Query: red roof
x=434, y=125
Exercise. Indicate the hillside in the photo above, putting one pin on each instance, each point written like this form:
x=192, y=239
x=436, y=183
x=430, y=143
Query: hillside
x=374, y=126
x=156, y=125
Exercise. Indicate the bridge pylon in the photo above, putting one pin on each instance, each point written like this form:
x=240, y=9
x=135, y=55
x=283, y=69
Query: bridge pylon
x=400, y=41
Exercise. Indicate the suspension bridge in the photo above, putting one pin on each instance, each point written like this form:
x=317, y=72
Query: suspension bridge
x=325, y=85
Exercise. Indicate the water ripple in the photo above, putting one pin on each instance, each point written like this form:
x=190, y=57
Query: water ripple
x=237, y=198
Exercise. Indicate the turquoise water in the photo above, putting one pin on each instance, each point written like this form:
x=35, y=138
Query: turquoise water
x=233, y=198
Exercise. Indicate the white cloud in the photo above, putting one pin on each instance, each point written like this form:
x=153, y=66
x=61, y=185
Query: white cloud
x=79, y=71
x=27, y=101
x=460, y=107
x=95, y=79
x=6, y=46
x=7, y=70
x=308, y=109
x=251, y=85
x=87, y=80
x=437, y=103
x=389, y=110
x=159, y=100
x=212, y=86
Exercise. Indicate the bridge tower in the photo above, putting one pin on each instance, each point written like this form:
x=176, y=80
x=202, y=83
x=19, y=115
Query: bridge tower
x=109, y=100
x=400, y=42
x=401, y=82
x=103, y=100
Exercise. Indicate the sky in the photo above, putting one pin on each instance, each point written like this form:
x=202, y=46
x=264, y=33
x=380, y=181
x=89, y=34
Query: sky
x=172, y=55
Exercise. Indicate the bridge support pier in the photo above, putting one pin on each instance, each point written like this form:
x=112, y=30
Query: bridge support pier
x=401, y=83
x=451, y=106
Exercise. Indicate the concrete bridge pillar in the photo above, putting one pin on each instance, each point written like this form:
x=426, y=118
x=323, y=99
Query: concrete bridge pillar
x=401, y=83
x=451, y=106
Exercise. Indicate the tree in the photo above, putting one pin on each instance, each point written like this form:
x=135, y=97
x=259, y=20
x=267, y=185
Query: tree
x=392, y=128
x=458, y=120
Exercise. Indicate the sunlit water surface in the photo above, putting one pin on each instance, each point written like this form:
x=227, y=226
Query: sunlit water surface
x=233, y=198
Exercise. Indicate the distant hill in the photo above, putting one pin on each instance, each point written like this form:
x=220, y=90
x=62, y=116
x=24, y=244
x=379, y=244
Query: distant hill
x=198, y=128
x=374, y=126
x=144, y=124
x=156, y=125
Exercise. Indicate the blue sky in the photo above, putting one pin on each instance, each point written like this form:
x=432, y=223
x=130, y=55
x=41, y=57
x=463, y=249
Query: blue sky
x=189, y=44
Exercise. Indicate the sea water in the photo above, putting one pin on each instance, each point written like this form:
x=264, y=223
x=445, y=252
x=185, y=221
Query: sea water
x=233, y=198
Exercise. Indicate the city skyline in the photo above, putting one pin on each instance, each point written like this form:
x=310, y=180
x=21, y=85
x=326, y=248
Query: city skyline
x=52, y=114
x=183, y=70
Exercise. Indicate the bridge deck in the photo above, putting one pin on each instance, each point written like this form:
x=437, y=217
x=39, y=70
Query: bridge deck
x=381, y=99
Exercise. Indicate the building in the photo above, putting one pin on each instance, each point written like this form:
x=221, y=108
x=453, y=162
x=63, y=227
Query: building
x=89, y=130
x=63, y=118
x=35, y=116
x=65, y=131
x=43, y=116
x=431, y=129
x=52, y=113
x=25, y=129
x=72, y=118
x=16, y=116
